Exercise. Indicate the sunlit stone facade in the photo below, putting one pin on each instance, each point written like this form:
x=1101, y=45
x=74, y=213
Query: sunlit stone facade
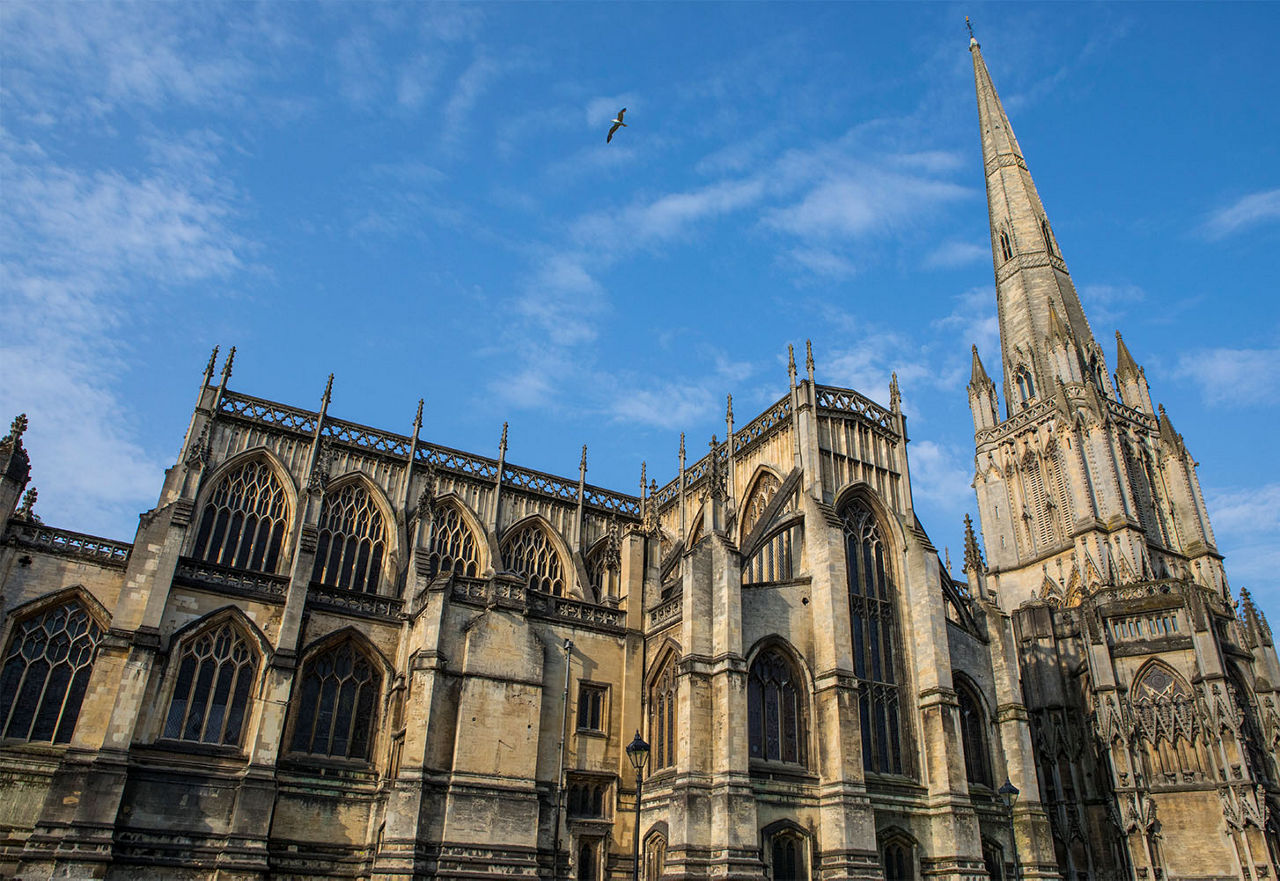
x=333, y=651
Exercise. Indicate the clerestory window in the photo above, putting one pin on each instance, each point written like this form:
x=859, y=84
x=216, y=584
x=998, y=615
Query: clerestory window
x=45, y=674
x=453, y=546
x=352, y=541
x=530, y=552
x=243, y=523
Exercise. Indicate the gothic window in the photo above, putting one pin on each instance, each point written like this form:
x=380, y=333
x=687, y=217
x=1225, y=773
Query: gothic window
x=1006, y=251
x=216, y=672
x=588, y=859
x=591, y=707
x=655, y=856
x=352, y=541
x=602, y=564
x=973, y=728
x=662, y=718
x=776, y=710
x=1038, y=502
x=762, y=494
x=897, y=859
x=873, y=618
x=45, y=674
x=530, y=552
x=1026, y=388
x=1048, y=240
x=337, y=703
x=453, y=546
x=1163, y=707
x=1143, y=488
x=775, y=560
x=787, y=856
x=588, y=798
x=993, y=859
x=243, y=522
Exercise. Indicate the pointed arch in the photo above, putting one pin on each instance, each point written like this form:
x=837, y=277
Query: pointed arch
x=788, y=850
x=778, y=706
x=873, y=619
x=602, y=564
x=532, y=548
x=458, y=541
x=974, y=730
x=357, y=535
x=761, y=489
x=48, y=659
x=663, y=688
x=695, y=530
x=214, y=672
x=338, y=695
x=897, y=854
x=246, y=507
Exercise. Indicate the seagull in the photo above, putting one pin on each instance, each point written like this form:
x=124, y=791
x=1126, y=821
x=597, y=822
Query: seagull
x=616, y=124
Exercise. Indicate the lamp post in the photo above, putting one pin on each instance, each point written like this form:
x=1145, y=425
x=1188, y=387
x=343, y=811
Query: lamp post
x=638, y=753
x=1009, y=795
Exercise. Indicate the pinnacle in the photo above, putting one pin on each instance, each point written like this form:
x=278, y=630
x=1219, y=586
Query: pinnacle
x=1125, y=365
x=978, y=376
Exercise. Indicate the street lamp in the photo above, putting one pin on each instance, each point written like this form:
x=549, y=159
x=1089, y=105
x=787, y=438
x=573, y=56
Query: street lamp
x=638, y=753
x=1009, y=795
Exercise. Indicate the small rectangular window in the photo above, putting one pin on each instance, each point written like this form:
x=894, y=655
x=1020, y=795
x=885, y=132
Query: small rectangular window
x=591, y=707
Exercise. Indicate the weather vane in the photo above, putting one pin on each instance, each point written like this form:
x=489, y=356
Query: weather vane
x=969, y=25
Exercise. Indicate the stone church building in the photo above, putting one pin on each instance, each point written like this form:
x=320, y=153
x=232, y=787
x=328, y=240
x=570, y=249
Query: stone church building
x=333, y=651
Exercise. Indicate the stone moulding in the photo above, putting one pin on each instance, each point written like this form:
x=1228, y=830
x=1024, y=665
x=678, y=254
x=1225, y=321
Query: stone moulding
x=69, y=544
x=351, y=602
x=238, y=582
x=505, y=593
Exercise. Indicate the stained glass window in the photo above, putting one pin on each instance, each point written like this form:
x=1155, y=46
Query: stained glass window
x=243, y=523
x=530, y=552
x=337, y=703
x=352, y=541
x=776, y=710
x=216, y=673
x=45, y=674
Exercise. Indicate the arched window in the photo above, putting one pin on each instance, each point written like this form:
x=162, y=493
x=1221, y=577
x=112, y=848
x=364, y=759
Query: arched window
x=973, y=729
x=1006, y=250
x=352, y=541
x=655, y=856
x=993, y=859
x=662, y=718
x=453, y=546
x=602, y=564
x=788, y=856
x=899, y=864
x=873, y=616
x=762, y=494
x=776, y=710
x=588, y=798
x=531, y=553
x=243, y=522
x=337, y=703
x=45, y=674
x=1048, y=239
x=1026, y=388
x=588, y=859
x=216, y=672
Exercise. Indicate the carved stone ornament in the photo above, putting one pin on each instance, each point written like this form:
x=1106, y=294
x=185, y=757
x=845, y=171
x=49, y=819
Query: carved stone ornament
x=200, y=450
x=319, y=478
x=426, y=499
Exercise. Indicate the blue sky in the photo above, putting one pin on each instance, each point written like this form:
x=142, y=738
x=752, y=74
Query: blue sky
x=419, y=198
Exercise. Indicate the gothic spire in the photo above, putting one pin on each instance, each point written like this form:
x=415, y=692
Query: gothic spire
x=978, y=374
x=1032, y=280
x=972, y=553
x=1125, y=365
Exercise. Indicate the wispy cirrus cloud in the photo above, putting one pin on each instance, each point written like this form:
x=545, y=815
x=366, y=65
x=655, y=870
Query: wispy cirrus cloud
x=1245, y=213
x=951, y=254
x=1233, y=377
x=1246, y=521
x=973, y=321
x=865, y=201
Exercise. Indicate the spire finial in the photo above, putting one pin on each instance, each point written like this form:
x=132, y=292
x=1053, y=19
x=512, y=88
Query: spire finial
x=502, y=444
x=17, y=428
x=682, y=451
x=582, y=466
x=328, y=390
x=895, y=396
x=417, y=419
x=968, y=24
x=972, y=553
x=643, y=466
x=946, y=552
x=808, y=358
x=209, y=368
x=28, y=503
x=226, y=368
x=728, y=410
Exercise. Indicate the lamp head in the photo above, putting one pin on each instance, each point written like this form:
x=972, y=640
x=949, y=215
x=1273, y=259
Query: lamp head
x=1008, y=794
x=638, y=752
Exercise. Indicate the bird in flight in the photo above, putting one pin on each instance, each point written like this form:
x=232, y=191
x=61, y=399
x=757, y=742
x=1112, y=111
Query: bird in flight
x=617, y=123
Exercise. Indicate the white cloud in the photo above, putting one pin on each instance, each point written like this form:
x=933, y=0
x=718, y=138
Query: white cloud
x=1246, y=523
x=1105, y=304
x=867, y=201
x=941, y=474
x=1247, y=211
x=1233, y=377
x=822, y=263
x=949, y=255
x=973, y=321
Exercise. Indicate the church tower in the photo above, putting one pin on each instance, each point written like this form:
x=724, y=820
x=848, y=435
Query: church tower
x=1100, y=550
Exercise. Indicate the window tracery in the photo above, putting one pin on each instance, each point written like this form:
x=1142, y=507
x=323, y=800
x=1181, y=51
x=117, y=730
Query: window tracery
x=767, y=486
x=873, y=618
x=1026, y=387
x=530, y=552
x=216, y=672
x=655, y=856
x=1006, y=251
x=897, y=859
x=788, y=856
x=775, y=560
x=337, y=703
x=663, y=717
x=453, y=545
x=973, y=727
x=352, y=541
x=45, y=674
x=776, y=715
x=243, y=522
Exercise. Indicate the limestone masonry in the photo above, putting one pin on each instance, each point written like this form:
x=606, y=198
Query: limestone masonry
x=337, y=652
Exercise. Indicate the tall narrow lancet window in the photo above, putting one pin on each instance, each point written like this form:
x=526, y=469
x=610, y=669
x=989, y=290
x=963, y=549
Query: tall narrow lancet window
x=243, y=523
x=1006, y=250
x=352, y=541
x=1026, y=388
x=898, y=864
x=1048, y=239
x=973, y=728
x=776, y=710
x=338, y=702
x=453, y=545
x=873, y=618
x=216, y=673
x=45, y=674
x=662, y=718
x=530, y=552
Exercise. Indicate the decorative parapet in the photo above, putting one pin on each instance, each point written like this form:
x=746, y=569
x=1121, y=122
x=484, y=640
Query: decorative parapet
x=667, y=612
x=1123, y=411
x=397, y=446
x=585, y=614
x=1016, y=423
x=848, y=401
x=503, y=591
x=763, y=426
x=224, y=579
x=69, y=544
x=351, y=602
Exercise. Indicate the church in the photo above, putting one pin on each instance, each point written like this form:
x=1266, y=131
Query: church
x=337, y=652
